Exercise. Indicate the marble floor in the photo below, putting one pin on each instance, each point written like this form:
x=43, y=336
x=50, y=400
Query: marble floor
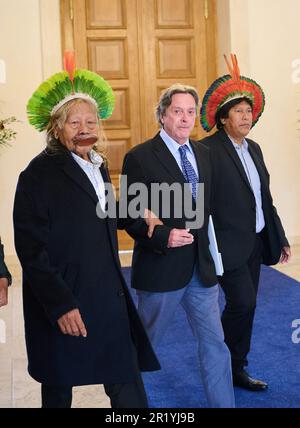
x=17, y=389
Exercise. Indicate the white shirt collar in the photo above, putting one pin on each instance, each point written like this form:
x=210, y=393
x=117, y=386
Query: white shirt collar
x=95, y=159
x=171, y=143
x=238, y=146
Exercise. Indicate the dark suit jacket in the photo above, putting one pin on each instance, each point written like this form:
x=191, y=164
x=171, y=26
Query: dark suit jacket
x=4, y=273
x=233, y=204
x=70, y=260
x=156, y=267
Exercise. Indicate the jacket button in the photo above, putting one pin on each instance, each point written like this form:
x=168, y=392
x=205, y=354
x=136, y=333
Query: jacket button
x=120, y=293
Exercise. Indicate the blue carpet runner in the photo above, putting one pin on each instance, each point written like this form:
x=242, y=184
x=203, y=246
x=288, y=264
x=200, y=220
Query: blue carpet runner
x=273, y=357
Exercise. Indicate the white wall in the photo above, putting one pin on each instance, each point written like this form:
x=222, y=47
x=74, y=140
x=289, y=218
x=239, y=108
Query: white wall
x=30, y=48
x=265, y=36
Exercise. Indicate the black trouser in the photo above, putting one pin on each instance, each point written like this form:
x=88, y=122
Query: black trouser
x=240, y=287
x=122, y=395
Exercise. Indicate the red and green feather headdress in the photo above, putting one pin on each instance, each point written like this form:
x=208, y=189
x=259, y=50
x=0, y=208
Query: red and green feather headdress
x=227, y=88
x=70, y=84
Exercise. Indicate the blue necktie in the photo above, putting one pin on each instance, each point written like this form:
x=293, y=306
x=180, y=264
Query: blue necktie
x=188, y=170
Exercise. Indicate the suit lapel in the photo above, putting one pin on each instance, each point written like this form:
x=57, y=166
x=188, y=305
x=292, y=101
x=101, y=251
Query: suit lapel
x=259, y=166
x=105, y=173
x=227, y=144
x=202, y=166
x=110, y=221
x=168, y=161
x=165, y=157
x=66, y=162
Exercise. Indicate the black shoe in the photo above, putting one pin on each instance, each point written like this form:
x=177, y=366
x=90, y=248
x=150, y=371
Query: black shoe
x=243, y=380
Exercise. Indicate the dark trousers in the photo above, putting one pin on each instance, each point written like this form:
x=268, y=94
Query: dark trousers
x=240, y=287
x=122, y=395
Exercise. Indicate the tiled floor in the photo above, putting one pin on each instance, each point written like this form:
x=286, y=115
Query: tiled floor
x=17, y=389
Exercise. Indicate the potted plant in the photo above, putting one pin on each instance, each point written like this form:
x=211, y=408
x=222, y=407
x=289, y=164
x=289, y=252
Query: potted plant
x=7, y=134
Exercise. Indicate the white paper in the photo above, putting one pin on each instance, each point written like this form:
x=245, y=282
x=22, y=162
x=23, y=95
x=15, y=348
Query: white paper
x=213, y=248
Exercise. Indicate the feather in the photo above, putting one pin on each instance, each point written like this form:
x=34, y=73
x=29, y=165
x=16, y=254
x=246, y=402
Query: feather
x=69, y=64
x=228, y=87
x=59, y=87
x=229, y=68
x=234, y=70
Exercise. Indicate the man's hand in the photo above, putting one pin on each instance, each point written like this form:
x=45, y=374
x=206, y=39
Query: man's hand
x=151, y=220
x=286, y=255
x=72, y=324
x=179, y=238
x=3, y=291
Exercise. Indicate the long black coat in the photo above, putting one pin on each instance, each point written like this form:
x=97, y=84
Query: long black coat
x=69, y=259
x=156, y=267
x=233, y=204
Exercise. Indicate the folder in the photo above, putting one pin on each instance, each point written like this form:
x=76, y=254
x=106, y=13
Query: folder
x=213, y=248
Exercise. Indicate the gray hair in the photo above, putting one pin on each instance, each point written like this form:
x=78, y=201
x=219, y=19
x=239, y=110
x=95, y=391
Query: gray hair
x=166, y=98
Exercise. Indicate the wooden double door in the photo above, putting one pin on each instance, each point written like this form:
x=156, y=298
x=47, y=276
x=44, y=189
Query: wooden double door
x=141, y=47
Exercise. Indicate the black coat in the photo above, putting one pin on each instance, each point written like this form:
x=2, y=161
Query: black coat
x=70, y=260
x=156, y=267
x=233, y=204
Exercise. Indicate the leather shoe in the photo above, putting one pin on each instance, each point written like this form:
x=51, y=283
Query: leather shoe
x=243, y=380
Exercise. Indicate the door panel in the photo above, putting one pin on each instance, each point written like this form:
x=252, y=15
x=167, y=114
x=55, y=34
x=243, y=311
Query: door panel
x=174, y=48
x=105, y=14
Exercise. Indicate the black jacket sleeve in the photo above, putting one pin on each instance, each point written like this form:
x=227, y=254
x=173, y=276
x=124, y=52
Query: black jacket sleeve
x=4, y=272
x=32, y=229
x=278, y=225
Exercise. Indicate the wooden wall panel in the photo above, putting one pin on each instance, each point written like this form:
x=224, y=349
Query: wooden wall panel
x=175, y=57
x=108, y=57
x=173, y=13
x=105, y=14
x=120, y=119
x=177, y=44
x=116, y=150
